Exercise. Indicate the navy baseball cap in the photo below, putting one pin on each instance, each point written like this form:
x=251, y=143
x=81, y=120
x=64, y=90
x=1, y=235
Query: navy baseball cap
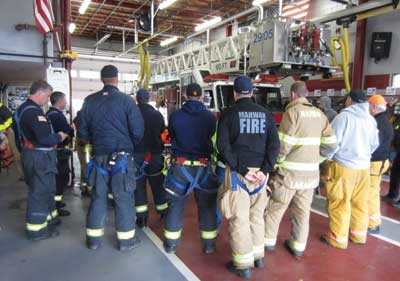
x=193, y=90
x=243, y=85
x=358, y=96
x=142, y=95
x=109, y=71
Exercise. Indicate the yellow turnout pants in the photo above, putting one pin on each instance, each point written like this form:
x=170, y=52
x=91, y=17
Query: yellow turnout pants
x=300, y=205
x=244, y=213
x=347, y=202
x=378, y=168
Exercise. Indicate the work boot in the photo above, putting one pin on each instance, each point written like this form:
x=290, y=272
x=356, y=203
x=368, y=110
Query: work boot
x=259, y=263
x=54, y=222
x=170, y=249
x=93, y=245
x=324, y=239
x=269, y=248
x=60, y=205
x=209, y=249
x=141, y=222
x=85, y=193
x=129, y=245
x=294, y=252
x=244, y=273
x=49, y=233
x=63, y=213
x=374, y=230
x=162, y=214
x=396, y=204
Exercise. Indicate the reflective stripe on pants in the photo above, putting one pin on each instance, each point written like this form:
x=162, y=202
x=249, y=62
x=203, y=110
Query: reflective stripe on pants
x=126, y=235
x=377, y=169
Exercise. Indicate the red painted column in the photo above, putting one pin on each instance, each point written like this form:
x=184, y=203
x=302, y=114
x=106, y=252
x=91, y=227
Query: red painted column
x=358, y=65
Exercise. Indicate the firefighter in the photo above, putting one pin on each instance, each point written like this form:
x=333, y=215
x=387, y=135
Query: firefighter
x=379, y=160
x=305, y=136
x=349, y=172
x=248, y=144
x=6, y=152
x=111, y=121
x=35, y=136
x=325, y=104
x=149, y=159
x=84, y=151
x=60, y=124
x=394, y=189
x=191, y=129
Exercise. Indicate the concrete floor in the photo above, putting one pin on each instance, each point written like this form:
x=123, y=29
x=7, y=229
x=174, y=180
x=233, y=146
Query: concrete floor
x=66, y=258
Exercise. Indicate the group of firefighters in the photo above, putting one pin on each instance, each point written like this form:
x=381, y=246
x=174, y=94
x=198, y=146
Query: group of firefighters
x=241, y=167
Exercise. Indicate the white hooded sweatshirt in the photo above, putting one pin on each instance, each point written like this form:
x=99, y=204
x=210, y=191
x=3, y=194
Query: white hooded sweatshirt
x=357, y=136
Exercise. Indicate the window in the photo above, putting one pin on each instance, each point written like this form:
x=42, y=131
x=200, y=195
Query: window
x=396, y=81
x=89, y=74
x=269, y=98
x=208, y=99
x=225, y=96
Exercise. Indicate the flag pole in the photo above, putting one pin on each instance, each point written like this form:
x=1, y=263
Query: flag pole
x=54, y=20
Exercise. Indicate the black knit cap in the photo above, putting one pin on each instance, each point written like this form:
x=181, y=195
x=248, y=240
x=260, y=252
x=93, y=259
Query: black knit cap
x=193, y=90
x=109, y=71
x=358, y=96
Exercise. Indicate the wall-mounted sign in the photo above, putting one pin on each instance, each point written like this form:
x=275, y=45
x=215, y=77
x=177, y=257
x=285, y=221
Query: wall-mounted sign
x=371, y=91
x=390, y=91
x=317, y=93
x=330, y=92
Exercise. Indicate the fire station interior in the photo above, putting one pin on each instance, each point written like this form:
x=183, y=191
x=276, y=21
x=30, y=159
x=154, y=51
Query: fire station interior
x=163, y=46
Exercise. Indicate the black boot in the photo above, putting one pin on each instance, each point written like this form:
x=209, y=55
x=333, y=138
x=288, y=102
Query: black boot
x=93, y=245
x=54, y=222
x=259, y=263
x=49, y=233
x=141, y=222
x=60, y=205
x=63, y=213
x=374, y=230
x=209, y=248
x=244, y=273
x=294, y=252
x=170, y=249
x=130, y=244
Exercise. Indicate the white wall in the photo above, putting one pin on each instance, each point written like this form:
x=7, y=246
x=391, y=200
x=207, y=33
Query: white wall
x=27, y=42
x=383, y=23
x=82, y=87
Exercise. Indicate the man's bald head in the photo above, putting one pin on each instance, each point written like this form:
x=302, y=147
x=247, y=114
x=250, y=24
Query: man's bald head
x=298, y=89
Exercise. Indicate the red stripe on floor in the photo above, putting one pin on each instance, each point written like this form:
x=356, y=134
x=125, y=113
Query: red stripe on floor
x=377, y=260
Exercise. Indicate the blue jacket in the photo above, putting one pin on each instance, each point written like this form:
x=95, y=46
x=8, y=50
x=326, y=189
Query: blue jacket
x=60, y=124
x=191, y=129
x=111, y=121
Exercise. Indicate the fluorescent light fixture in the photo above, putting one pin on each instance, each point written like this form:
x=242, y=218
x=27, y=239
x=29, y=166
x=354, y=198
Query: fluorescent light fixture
x=168, y=41
x=71, y=27
x=260, y=2
x=208, y=23
x=165, y=4
x=102, y=39
x=84, y=6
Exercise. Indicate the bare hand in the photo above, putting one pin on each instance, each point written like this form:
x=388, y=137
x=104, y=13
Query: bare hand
x=261, y=176
x=62, y=135
x=251, y=176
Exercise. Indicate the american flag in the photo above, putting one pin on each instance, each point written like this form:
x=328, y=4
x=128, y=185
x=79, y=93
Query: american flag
x=296, y=10
x=42, y=14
